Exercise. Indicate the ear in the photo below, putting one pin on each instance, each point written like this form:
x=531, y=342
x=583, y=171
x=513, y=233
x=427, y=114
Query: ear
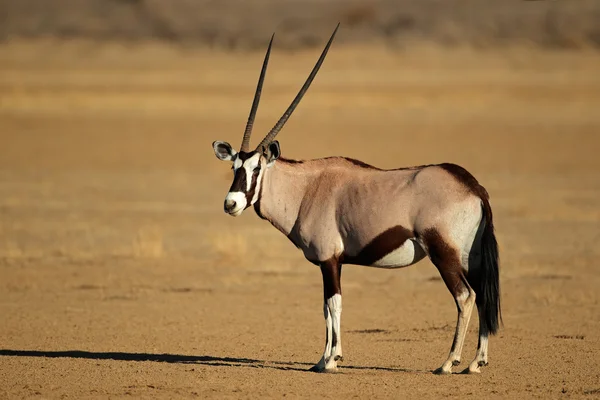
x=272, y=152
x=224, y=151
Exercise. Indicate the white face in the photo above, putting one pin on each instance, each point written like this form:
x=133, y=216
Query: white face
x=248, y=171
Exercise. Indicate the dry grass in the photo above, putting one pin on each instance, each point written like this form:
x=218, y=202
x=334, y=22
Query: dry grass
x=149, y=243
x=231, y=247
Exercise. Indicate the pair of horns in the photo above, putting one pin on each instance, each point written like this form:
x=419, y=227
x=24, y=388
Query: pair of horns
x=286, y=115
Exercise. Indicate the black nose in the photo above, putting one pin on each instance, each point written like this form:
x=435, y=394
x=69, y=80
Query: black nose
x=229, y=205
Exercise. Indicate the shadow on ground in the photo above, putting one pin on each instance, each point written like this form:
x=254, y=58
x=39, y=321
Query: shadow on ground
x=186, y=359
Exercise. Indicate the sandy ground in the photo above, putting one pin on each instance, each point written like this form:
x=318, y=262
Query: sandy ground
x=120, y=275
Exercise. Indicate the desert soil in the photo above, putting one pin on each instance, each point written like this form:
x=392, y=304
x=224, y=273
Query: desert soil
x=120, y=275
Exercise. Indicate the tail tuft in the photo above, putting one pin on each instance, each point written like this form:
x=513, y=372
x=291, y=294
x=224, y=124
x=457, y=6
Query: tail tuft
x=483, y=275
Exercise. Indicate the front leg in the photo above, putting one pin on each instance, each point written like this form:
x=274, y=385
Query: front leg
x=332, y=310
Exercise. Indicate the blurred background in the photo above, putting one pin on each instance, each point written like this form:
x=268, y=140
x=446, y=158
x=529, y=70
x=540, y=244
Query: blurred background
x=111, y=197
x=239, y=24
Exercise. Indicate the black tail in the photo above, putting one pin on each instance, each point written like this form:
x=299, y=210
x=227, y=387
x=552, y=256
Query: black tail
x=483, y=275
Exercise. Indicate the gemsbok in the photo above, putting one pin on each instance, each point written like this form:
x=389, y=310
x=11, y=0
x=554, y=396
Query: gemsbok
x=339, y=210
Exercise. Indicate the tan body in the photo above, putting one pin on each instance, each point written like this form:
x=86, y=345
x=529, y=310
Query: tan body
x=338, y=210
x=335, y=206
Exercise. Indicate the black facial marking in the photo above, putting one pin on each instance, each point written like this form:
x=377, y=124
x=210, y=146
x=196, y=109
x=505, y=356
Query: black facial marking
x=250, y=193
x=241, y=177
x=239, y=181
x=257, y=204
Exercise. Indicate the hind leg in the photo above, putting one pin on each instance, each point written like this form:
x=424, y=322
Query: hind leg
x=464, y=297
x=447, y=260
x=482, y=348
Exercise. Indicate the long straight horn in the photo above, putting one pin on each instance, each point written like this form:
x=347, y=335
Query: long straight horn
x=271, y=135
x=246, y=140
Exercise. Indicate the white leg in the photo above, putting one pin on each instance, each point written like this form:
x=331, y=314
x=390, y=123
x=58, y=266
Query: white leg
x=328, y=336
x=448, y=262
x=332, y=310
x=334, y=305
x=464, y=304
x=482, y=351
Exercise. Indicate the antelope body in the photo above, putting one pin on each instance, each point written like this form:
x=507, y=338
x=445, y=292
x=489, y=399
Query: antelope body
x=339, y=210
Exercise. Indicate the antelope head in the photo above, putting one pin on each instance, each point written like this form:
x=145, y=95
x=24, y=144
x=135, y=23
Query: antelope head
x=249, y=166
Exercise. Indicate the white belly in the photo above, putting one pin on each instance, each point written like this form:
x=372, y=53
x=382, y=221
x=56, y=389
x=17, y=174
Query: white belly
x=409, y=253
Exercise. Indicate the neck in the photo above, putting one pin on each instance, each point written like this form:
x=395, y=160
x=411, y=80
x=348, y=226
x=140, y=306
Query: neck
x=282, y=190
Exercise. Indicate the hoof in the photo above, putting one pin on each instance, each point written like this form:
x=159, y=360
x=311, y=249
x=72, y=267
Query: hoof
x=475, y=367
x=316, y=368
x=471, y=371
x=441, y=371
x=321, y=370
